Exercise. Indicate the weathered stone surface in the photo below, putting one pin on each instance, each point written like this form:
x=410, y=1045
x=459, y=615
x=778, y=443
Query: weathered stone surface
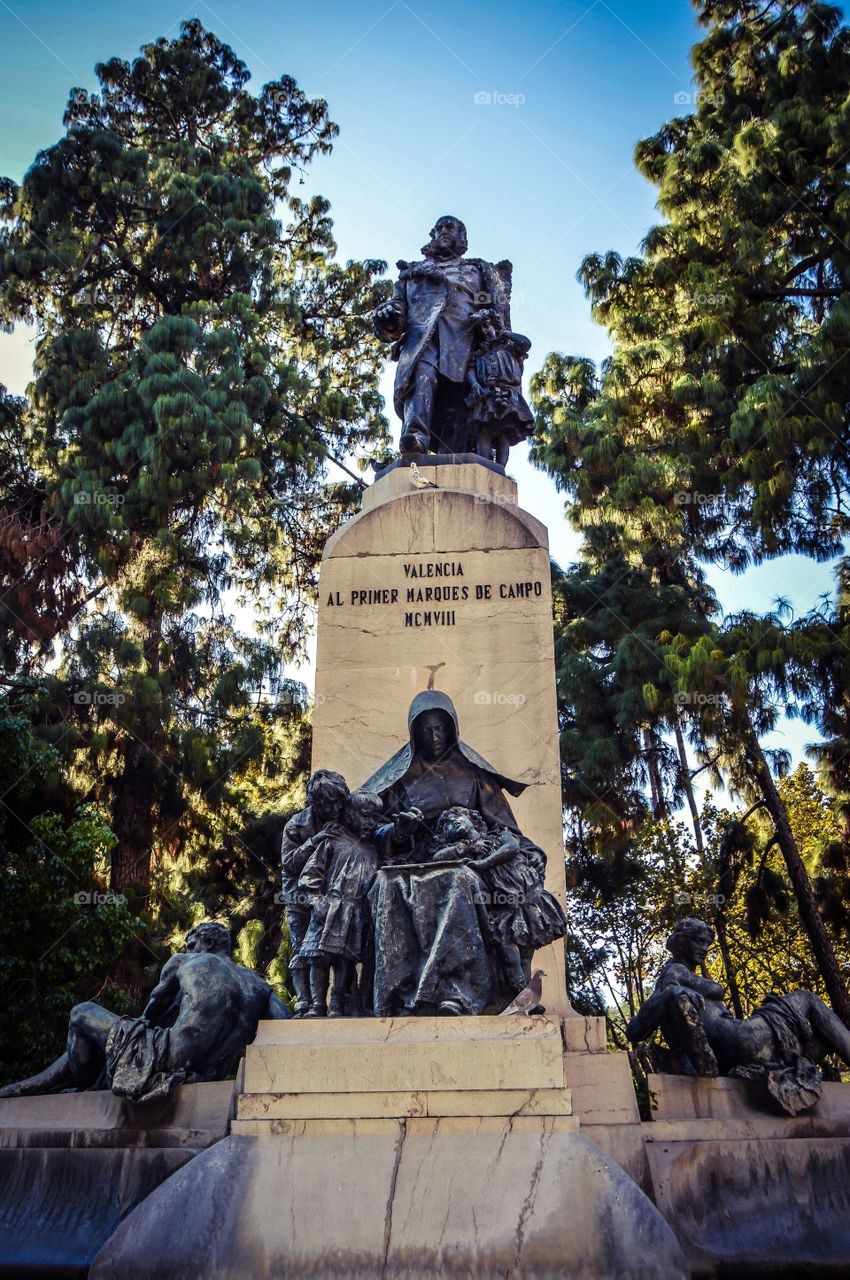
x=760, y=1207
x=423, y=1199
x=192, y=1116
x=696, y=1098
x=431, y=1125
x=477, y=1102
x=601, y=1087
x=58, y=1206
x=584, y=1035
x=491, y=652
x=405, y=1054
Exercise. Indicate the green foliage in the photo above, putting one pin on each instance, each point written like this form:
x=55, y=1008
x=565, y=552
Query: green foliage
x=201, y=359
x=716, y=433
x=60, y=929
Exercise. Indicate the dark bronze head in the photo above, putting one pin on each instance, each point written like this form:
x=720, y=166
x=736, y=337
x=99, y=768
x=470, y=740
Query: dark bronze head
x=363, y=811
x=690, y=941
x=209, y=935
x=448, y=239
x=327, y=792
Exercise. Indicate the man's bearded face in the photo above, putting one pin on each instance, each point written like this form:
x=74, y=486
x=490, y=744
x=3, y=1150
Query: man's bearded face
x=446, y=239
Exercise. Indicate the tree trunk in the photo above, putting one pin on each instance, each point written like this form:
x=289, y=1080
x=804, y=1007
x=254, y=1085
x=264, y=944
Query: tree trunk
x=689, y=788
x=809, y=915
x=719, y=918
x=132, y=820
x=654, y=776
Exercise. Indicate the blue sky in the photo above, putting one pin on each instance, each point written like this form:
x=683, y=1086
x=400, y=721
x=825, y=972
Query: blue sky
x=521, y=118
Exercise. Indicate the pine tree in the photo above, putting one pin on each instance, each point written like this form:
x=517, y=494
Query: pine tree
x=718, y=430
x=200, y=358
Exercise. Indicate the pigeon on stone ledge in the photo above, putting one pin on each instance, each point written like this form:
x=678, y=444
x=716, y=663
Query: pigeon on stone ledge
x=418, y=480
x=527, y=999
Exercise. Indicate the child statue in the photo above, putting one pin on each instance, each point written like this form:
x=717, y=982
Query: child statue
x=523, y=916
x=498, y=413
x=338, y=873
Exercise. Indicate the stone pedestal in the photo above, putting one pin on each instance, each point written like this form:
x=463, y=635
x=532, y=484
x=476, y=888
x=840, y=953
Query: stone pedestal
x=406, y=1148
x=447, y=588
x=73, y=1165
x=749, y=1191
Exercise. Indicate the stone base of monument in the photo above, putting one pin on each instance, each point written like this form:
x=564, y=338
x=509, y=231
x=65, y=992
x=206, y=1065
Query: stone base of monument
x=73, y=1165
x=410, y=1147
x=747, y=1190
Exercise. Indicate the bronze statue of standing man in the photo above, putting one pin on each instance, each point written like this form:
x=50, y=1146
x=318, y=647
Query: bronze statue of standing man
x=431, y=322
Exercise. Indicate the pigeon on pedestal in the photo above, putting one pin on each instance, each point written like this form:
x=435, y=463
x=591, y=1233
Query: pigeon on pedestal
x=528, y=998
x=418, y=480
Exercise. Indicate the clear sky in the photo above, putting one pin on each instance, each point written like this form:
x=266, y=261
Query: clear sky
x=520, y=118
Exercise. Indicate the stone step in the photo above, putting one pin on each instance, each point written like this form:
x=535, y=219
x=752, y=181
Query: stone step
x=400, y=1055
x=409, y=1126
x=468, y=1102
x=312, y=1031
x=695, y=1098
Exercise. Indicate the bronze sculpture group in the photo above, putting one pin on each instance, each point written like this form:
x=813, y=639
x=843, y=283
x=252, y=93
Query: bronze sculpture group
x=781, y=1043
x=458, y=385
x=417, y=894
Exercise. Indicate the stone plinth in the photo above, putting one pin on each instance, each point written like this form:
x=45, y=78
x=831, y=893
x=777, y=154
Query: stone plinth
x=748, y=1190
x=406, y=1148
x=399, y=1068
x=446, y=588
x=73, y=1165
x=403, y=1201
x=403, y=1054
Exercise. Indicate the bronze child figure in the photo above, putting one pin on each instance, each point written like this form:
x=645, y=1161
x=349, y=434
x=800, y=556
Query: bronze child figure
x=498, y=413
x=339, y=872
x=522, y=915
x=327, y=792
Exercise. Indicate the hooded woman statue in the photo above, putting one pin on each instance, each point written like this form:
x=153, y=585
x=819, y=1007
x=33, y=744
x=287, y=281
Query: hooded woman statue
x=432, y=934
x=434, y=771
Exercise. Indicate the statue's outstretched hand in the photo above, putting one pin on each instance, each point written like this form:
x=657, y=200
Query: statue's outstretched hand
x=387, y=320
x=407, y=823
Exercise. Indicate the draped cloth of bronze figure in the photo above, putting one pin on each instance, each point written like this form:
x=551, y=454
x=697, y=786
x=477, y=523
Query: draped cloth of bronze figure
x=432, y=936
